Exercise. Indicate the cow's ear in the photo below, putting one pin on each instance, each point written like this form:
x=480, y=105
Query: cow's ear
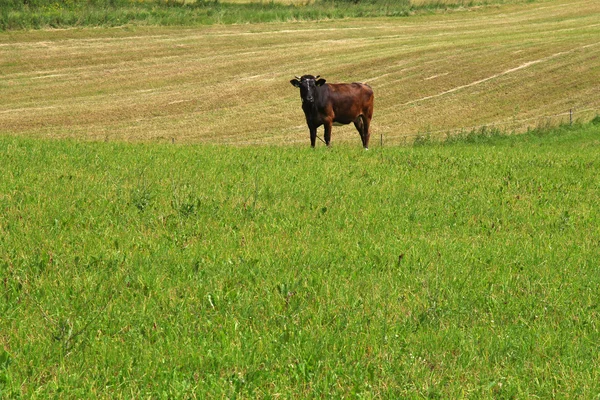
x=320, y=82
x=295, y=82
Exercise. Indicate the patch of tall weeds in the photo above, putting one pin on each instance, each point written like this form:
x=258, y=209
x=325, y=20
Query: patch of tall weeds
x=39, y=14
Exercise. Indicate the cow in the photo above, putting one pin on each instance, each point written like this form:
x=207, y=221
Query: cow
x=335, y=103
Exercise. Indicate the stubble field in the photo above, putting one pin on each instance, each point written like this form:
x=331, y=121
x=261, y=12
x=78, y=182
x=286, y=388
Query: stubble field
x=513, y=67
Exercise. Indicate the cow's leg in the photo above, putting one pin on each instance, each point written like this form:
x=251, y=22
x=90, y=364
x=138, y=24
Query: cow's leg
x=328, y=133
x=358, y=123
x=366, y=131
x=313, y=137
x=366, y=117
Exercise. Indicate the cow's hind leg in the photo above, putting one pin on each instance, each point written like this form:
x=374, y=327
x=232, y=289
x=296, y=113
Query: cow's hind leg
x=358, y=123
x=366, y=134
x=362, y=126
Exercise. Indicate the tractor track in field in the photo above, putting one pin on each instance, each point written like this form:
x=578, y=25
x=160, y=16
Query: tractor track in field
x=506, y=72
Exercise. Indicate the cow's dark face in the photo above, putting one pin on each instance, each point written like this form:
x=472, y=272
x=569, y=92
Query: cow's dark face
x=308, y=86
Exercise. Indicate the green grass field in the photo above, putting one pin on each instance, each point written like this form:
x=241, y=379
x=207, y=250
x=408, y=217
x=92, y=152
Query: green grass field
x=467, y=269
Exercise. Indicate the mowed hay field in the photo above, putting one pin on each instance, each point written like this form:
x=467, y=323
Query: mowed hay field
x=511, y=66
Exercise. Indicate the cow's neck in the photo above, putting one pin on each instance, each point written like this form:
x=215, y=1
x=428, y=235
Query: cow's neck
x=310, y=106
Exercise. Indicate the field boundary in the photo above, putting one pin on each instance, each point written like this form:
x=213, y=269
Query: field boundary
x=42, y=14
x=549, y=121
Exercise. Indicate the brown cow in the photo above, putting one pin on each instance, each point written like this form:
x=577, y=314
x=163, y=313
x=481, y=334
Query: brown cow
x=340, y=103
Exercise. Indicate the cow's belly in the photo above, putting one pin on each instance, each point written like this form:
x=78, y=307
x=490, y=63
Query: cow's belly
x=342, y=121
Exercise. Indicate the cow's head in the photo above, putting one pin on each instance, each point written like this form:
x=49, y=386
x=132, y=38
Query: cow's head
x=308, y=86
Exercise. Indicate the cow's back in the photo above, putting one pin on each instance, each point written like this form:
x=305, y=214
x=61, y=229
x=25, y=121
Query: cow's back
x=348, y=100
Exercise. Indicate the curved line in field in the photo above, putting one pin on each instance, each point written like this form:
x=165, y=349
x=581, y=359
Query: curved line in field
x=506, y=72
x=12, y=110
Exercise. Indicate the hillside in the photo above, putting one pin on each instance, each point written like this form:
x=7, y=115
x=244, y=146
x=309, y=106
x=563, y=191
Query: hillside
x=512, y=66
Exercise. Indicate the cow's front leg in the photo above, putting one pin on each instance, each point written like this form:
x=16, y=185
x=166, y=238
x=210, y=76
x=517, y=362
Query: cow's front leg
x=328, y=133
x=313, y=137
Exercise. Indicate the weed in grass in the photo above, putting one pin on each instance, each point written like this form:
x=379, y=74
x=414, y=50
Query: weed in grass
x=141, y=194
x=482, y=134
x=185, y=201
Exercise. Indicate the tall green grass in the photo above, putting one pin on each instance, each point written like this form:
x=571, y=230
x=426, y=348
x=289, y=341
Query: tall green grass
x=44, y=13
x=36, y=14
x=463, y=269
